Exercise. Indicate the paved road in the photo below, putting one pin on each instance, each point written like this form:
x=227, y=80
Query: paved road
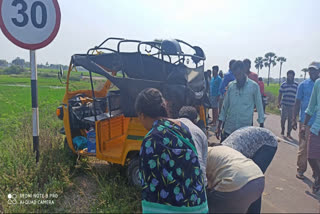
x=284, y=193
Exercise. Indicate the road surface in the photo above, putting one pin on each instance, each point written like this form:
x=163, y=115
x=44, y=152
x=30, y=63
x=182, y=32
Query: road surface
x=284, y=193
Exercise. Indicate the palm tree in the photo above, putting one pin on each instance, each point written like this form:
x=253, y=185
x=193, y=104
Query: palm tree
x=305, y=70
x=281, y=60
x=269, y=60
x=258, y=63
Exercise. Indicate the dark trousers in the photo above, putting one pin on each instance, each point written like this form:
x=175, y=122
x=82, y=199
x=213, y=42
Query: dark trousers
x=236, y=201
x=315, y=165
x=286, y=114
x=262, y=158
x=224, y=136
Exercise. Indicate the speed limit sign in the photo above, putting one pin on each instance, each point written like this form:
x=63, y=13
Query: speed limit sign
x=30, y=24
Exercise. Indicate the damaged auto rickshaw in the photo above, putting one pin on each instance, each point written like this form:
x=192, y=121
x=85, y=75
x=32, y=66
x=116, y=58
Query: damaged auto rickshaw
x=106, y=118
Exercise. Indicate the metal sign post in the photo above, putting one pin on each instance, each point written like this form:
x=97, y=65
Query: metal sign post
x=31, y=24
x=34, y=97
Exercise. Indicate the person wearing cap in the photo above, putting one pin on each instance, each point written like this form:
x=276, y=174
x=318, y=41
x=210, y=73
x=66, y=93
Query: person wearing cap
x=286, y=100
x=313, y=150
x=301, y=104
x=188, y=115
x=214, y=93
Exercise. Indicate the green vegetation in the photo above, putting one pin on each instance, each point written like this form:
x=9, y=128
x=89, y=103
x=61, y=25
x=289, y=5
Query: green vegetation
x=81, y=185
x=272, y=92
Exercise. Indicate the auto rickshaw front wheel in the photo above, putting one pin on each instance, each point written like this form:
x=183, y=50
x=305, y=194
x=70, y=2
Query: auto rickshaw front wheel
x=133, y=171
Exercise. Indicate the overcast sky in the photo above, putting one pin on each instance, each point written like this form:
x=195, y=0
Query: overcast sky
x=225, y=29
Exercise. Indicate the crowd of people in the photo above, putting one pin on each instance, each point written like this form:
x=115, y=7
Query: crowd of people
x=178, y=171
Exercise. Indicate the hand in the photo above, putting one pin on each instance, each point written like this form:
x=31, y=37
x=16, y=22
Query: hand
x=302, y=132
x=218, y=133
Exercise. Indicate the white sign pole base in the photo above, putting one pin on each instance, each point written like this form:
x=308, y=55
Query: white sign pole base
x=34, y=97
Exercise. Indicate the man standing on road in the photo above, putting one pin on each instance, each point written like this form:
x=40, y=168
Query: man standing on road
x=214, y=94
x=302, y=101
x=238, y=105
x=261, y=86
x=286, y=100
x=314, y=139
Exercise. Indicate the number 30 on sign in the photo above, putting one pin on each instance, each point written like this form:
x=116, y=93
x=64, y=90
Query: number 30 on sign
x=30, y=24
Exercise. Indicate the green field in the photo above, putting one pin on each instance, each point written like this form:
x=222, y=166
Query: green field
x=81, y=185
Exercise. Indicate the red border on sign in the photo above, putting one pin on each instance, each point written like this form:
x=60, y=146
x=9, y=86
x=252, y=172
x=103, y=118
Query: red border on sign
x=33, y=46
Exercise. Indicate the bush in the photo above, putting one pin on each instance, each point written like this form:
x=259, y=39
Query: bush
x=14, y=70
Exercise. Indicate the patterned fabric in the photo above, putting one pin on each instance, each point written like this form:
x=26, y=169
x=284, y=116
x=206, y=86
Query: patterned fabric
x=304, y=95
x=169, y=168
x=314, y=108
x=288, y=92
x=249, y=140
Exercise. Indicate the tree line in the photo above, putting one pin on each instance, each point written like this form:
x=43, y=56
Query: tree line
x=25, y=64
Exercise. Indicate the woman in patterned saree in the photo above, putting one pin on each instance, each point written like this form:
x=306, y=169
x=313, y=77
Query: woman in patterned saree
x=169, y=168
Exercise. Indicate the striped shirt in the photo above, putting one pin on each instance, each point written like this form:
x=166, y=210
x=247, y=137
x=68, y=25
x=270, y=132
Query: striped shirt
x=288, y=92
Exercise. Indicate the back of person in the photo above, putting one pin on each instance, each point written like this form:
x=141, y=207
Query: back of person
x=248, y=140
x=228, y=170
x=234, y=181
x=201, y=143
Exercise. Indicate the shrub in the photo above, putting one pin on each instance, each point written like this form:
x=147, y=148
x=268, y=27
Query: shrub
x=14, y=70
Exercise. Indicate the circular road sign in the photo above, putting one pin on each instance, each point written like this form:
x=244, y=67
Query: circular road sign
x=30, y=24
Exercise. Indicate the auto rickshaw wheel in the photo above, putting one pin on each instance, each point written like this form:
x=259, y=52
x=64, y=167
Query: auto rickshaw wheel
x=133, y=171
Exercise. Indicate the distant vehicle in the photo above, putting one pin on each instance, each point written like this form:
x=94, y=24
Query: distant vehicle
x=109, y=112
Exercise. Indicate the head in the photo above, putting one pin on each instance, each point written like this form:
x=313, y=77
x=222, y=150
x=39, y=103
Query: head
x=208, y=73
x=314, y=70
x=215, y=70
x=247, y=65
x=239, y=73
x=221, y=73
x=290, y=76
x=230, y=63
x=189, y=112
x=260, y=79
x=150, y=106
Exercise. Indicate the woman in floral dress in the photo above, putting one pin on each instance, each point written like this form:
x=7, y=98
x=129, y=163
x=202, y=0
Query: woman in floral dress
x=169, y=168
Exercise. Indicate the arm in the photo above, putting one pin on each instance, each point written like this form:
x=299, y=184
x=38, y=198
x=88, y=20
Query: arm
x=311, y=108
x=279, y=99
x=258, y=103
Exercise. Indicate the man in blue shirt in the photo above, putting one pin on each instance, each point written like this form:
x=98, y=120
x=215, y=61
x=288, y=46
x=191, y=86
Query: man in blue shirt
x=214, y=93
x=228, y=77
x=301, y=104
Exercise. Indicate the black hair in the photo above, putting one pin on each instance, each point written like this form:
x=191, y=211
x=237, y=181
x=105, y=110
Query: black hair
x=189, y=112
x=221, y=73
x=260, y=79
x=231, y=62
x=151, y=103
x=291, y=72
x=237, y=65
x=215, y=68
x=247, y=62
